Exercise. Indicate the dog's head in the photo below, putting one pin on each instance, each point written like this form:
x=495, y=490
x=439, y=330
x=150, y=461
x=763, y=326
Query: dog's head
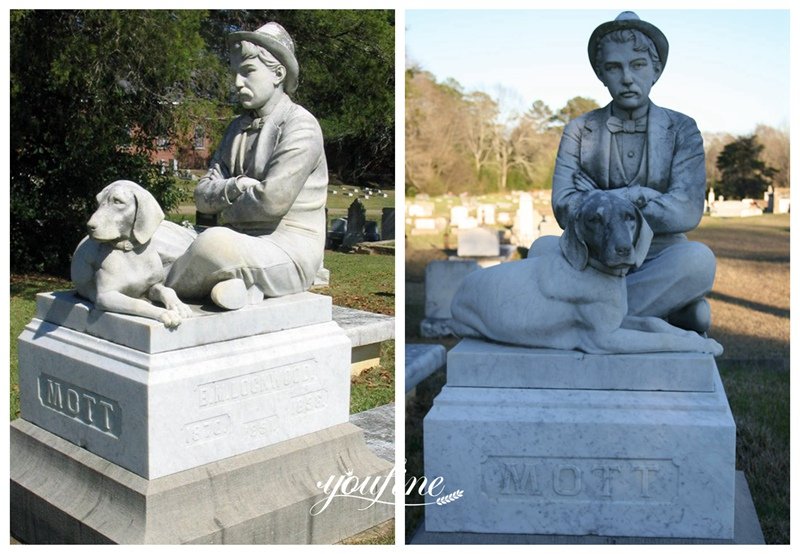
x=609, y=230
x=125, y=211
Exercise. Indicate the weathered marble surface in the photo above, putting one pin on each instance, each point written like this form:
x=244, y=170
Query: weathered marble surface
x=583, y=462
x=116, y=267
x=157, y=414
x=273, y=314
x=421, y=361
x=571, y=292
x=267, y=181
x=649, y=155
x=62, y=493
x=476, y=363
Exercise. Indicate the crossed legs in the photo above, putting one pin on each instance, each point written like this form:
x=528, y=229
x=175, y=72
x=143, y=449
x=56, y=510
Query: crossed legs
x=672, y=283
x=234, y=269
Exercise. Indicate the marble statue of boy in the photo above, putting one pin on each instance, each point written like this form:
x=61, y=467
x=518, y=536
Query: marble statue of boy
x=650, y=155
x=268, y=182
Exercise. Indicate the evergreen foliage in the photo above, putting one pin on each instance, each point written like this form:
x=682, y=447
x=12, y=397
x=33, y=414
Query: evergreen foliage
x=743, y=173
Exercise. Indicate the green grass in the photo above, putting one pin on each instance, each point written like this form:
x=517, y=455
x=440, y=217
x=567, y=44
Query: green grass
x=374, y=387
x=23, y=307
x=759, y=398
x=337, y=204
x=361, y=281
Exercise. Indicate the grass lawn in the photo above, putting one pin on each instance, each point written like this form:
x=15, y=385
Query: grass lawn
x=337, y=203
x=750, y=308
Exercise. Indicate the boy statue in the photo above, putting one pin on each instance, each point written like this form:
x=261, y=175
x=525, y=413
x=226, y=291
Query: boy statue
x=268, y=181
x=653, y=157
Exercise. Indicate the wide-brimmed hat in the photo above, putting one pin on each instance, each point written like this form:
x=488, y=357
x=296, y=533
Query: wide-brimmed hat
x=629, y=20
x=277, y=41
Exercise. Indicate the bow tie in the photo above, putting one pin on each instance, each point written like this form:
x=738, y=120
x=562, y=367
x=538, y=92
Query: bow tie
x=253, y=124
x=615, y=125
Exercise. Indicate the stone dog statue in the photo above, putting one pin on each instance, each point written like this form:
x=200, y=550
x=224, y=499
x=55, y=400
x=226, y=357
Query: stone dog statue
x=573, y=297
x=116, y=267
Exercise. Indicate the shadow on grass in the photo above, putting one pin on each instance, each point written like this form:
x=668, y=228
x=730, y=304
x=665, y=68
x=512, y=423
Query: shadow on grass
x=749, y=304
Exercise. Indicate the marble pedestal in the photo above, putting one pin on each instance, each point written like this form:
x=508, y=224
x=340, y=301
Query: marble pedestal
x=156, y=405
x=155, y=411
x=562, y=443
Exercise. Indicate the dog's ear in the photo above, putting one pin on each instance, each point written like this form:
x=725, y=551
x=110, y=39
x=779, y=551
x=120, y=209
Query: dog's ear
x=573, y=246
x=148, y=215
x=643, y=239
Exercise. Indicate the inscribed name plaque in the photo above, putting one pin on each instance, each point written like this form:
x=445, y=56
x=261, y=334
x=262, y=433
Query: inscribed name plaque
x=538, y=453
x=157, y=413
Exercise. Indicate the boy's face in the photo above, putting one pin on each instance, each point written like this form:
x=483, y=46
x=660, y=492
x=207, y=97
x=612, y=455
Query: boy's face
x=627, y=74
x=255, y=82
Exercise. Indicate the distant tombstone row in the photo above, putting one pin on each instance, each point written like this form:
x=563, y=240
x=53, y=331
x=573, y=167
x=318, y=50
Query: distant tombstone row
x=344, y=233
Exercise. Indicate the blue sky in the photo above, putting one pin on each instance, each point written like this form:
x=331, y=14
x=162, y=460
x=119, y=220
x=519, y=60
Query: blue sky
x=728, y=69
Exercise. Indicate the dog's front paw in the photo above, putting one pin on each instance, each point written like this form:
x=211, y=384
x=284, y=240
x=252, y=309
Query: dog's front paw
x=713, y=347
x=180, y=308
x=170, y=318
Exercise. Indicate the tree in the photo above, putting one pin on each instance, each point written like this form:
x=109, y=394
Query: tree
x=575, y=107
x=744, y=175
x=481, y=114
x=436, y=157
x=90, y=92
x=713, y=143
x=776, y=152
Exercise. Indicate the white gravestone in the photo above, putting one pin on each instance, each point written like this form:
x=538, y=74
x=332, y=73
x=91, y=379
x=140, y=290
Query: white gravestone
x=486, y=214
x=735, y=208
x=458, y=214
x=442, y=279
x=479, y=242
x=550, y=226
x=607, y=420
x=526, y=222
x=424, y=226
x=420, y=209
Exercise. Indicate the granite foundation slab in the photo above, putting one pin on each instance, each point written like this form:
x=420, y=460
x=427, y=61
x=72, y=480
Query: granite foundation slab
x=61, y=493
x=583, y=462
x=476, y=363
x=209, y=325
x=156, y=414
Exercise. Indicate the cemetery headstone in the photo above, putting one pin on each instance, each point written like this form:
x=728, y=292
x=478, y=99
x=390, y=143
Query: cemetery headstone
x=442, y=279
x=387, y=223
x=526, y=222
x=478, y=242
x=356, y=220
